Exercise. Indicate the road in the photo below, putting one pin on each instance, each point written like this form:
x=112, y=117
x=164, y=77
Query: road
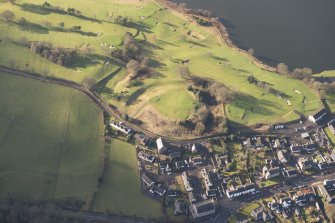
x=229, y=207
x=113, y=111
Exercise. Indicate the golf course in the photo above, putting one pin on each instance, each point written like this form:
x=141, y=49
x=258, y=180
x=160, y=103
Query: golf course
x=167, y=38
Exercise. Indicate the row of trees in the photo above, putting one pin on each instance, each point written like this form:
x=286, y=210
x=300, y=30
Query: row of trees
x=201, y=12
x=299, y=73
x=17, y=212
x=61, y=56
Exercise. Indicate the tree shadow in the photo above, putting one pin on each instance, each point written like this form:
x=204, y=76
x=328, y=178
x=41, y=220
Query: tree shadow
x=38, y=9
x=153, y=46
x=156, y=64
x=197, y=43
x=102, y=83
x=139, y=26
x=133, y=97
x=254, y=105
x=170, y=24
x=241, y=70
x=84, y=61
x=32, y=27
x=222, y=59
x=167, y=43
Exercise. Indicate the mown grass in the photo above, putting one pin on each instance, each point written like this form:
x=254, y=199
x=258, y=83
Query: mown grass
x=330, y=135
x=120, y=190
x=167, y=44
x=50, y=141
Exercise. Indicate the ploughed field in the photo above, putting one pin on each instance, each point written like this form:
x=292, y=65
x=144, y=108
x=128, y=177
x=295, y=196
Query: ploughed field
x=51, y=143
x=167, y=38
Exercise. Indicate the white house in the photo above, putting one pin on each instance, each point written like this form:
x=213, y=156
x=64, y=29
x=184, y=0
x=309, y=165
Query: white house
x=160, y=145
x=186, y=182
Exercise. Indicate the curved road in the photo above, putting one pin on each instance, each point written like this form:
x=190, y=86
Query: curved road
x=103, y=105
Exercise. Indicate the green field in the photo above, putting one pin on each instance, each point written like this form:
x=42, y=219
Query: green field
x=50, y=141
x=330, y=135
x=120, y=191
x=170, y=38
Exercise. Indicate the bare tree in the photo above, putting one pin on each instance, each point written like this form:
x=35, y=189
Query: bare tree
x=251, y=51
x=282, y=68
x=7, y=15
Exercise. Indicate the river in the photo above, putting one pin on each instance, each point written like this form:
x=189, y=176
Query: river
x=300, y=33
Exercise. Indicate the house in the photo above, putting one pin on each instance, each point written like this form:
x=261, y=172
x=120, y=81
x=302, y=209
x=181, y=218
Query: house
x=221, y=160
x=186, y=182
x=247, y=143
x=198, y=161
x=297, y=211
x=240, y=191
x=305, y=135
x=305, y=163
x=165, y=167
x=281, y=157
x=207, y=181
x=259, y=142
x=173, y=193
x=122, y=128
x=159, y=190
x=160, y=145
x=180, y=165
x=326, y=165
x=270, y=172
x=147, y=180
x=174, y=154
x=179, y=208
x=285, y=213
x=296, y=148
x=327, y=191
x=290, y=173
x=331, y=126
x=191, y=197
x=142, y=139
x=286, y=202
x=309, y=147
x=194, y=148
x=278, y=144
x=262, y=214
x=300, y=200
x=203, y=208
x=146, y=157
x=318, y=116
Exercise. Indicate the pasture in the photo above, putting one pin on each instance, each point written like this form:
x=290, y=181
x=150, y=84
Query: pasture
x=170, y=39
x=51, y=141
x=120, y=191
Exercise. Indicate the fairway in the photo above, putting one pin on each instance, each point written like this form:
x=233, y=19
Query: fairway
x=51, y=141
x=120, y=192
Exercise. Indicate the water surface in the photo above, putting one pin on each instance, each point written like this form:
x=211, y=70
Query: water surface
x=300, y=33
